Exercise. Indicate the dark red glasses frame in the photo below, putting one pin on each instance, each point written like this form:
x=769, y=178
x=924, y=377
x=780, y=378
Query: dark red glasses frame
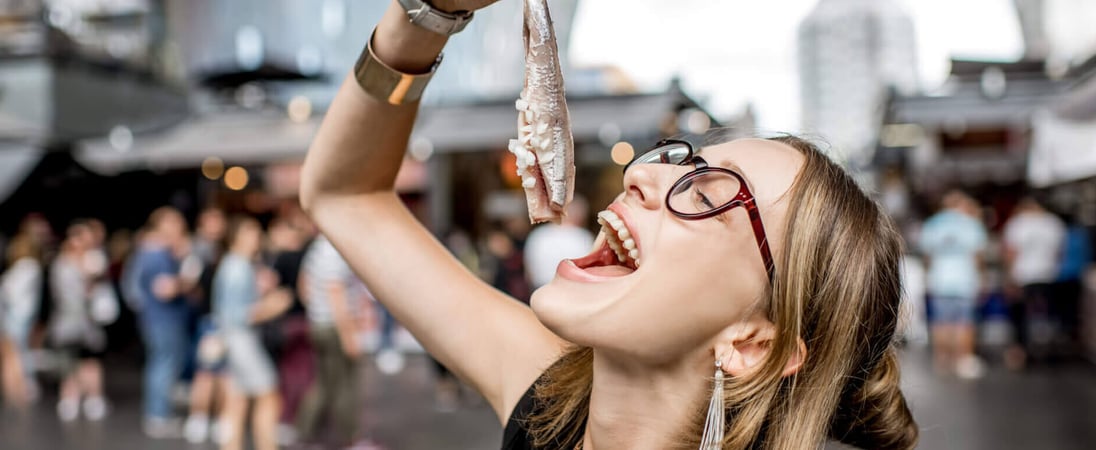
x=743, y=198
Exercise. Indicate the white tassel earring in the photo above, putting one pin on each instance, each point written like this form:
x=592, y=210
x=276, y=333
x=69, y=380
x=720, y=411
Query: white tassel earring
x=712, y=439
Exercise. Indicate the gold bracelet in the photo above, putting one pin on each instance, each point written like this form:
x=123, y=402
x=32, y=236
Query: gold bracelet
x=387, y=84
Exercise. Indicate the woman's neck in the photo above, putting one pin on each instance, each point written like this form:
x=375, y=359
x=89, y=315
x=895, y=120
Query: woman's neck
x=633, y=406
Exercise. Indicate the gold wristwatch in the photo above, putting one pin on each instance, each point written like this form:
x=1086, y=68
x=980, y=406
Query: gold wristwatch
x=388, y=84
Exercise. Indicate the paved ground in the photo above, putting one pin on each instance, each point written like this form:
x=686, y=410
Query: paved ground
x=1047, y=408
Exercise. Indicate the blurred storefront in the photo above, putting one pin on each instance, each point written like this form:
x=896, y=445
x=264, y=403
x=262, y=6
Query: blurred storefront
x=999, y=131
x=458, y=172
x=1063, y=153
x=974, y=133
x=1063, y=166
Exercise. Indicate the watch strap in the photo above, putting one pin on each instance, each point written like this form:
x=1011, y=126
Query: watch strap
x=387, y=84
x=420, y=13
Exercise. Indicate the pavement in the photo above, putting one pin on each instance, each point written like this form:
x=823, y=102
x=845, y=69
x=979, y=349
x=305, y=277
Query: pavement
x=1050, y=407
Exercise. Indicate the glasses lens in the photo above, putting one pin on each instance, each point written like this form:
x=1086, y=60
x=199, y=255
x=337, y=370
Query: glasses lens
x=704, y=192
x=672, y=153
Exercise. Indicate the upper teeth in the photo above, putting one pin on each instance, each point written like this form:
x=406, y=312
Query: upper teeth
x=618, y=237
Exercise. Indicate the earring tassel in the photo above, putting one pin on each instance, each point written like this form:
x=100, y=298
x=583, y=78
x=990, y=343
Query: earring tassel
x=712, y=439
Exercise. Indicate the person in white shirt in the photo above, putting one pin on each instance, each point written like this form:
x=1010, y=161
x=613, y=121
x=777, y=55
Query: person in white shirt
x=548, y=244
x=333, y=300
x=1033, y=240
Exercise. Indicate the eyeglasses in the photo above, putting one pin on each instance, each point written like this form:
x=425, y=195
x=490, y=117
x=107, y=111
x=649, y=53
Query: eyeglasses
x=706, y=191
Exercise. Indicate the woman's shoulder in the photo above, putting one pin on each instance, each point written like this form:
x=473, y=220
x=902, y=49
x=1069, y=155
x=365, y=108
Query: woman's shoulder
x=516, y=434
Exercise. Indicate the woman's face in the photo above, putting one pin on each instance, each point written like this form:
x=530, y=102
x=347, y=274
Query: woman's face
x=695, y=277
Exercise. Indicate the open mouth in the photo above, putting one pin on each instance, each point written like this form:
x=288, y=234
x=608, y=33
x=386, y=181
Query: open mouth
x=618, y=255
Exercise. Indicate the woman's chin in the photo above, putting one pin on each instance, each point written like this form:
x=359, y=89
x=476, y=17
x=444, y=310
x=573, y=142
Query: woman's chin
x=577, y=312
x=561, y=310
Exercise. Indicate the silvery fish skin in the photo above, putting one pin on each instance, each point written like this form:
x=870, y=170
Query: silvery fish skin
x=544, y=148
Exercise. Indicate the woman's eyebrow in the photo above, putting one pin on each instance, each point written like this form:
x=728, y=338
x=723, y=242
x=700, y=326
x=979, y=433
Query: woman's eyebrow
x=726, y=163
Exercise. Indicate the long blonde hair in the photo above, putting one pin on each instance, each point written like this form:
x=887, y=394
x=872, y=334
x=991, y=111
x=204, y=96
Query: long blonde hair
x=838, y=288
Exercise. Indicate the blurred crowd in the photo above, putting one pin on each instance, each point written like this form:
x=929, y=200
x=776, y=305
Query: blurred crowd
x=255, y=322
x=246, y=322
x=984, y=288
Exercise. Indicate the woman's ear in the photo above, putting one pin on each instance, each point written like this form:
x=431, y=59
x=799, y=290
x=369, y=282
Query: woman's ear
x=743, y=347
x=796, y=361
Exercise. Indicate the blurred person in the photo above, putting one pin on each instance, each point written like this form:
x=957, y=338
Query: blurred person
x=13, y=383
x=550, y=243
x=1076, y=258
x=287, y=338
x=104, y=300
x=20, y=297
x=119, y=247
x=207, y=388
x=1033, y=239
x=72, y=330
x=161, y=284
x=333, y=303
x=913, y=326
x=245, y=295
x=39, y=230
x=506, y=263
x=206, y=360
x=209, y=234
x=42, y=233
x=129, y=282
x=953, y=241
x=769, y=288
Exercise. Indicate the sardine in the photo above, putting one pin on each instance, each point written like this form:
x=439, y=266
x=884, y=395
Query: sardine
x=545, y=148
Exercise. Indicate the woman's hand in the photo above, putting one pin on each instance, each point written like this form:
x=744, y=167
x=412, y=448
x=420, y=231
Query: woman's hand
x=271, y=305
x=410, y=48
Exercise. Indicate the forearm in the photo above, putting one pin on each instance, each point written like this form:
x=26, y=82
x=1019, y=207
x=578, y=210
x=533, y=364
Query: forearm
x=340, y=312
x=268, y=307
x=361, y=142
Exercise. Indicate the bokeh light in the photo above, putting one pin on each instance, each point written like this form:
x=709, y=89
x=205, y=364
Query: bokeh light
x=299, y=109
x=213, y=168
x=236, y=178
x=121, y=138
x=622, y=153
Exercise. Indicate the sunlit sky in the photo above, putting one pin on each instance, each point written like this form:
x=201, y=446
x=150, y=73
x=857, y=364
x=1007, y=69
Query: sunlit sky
x=730, y=52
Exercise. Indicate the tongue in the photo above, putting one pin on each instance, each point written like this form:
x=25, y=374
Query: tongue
x=609, y=271
x=602, y=262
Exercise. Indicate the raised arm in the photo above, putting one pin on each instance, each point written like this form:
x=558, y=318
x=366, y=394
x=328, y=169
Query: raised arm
x=488, y=339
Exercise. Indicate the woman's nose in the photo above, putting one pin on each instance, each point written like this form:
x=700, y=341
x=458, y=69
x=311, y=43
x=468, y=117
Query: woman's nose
x=642, y=184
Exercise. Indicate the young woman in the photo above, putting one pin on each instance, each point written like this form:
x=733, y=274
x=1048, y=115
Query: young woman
x=758, y=260
x=243, y=296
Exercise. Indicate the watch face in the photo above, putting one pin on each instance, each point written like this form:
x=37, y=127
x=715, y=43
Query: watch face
x=444, y=23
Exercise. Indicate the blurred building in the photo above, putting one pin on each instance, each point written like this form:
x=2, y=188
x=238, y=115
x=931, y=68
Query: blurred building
x=1003, y=129
x=850, y=53
x=104, y=96
x=975, y=133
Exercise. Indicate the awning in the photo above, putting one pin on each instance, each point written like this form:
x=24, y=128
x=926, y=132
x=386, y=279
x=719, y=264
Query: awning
x=1062, y=150
x=249, y=137
x=16, y=162
x=237, y=137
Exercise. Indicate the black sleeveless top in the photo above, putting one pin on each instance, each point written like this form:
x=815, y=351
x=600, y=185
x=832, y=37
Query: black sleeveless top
x=516, y=436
